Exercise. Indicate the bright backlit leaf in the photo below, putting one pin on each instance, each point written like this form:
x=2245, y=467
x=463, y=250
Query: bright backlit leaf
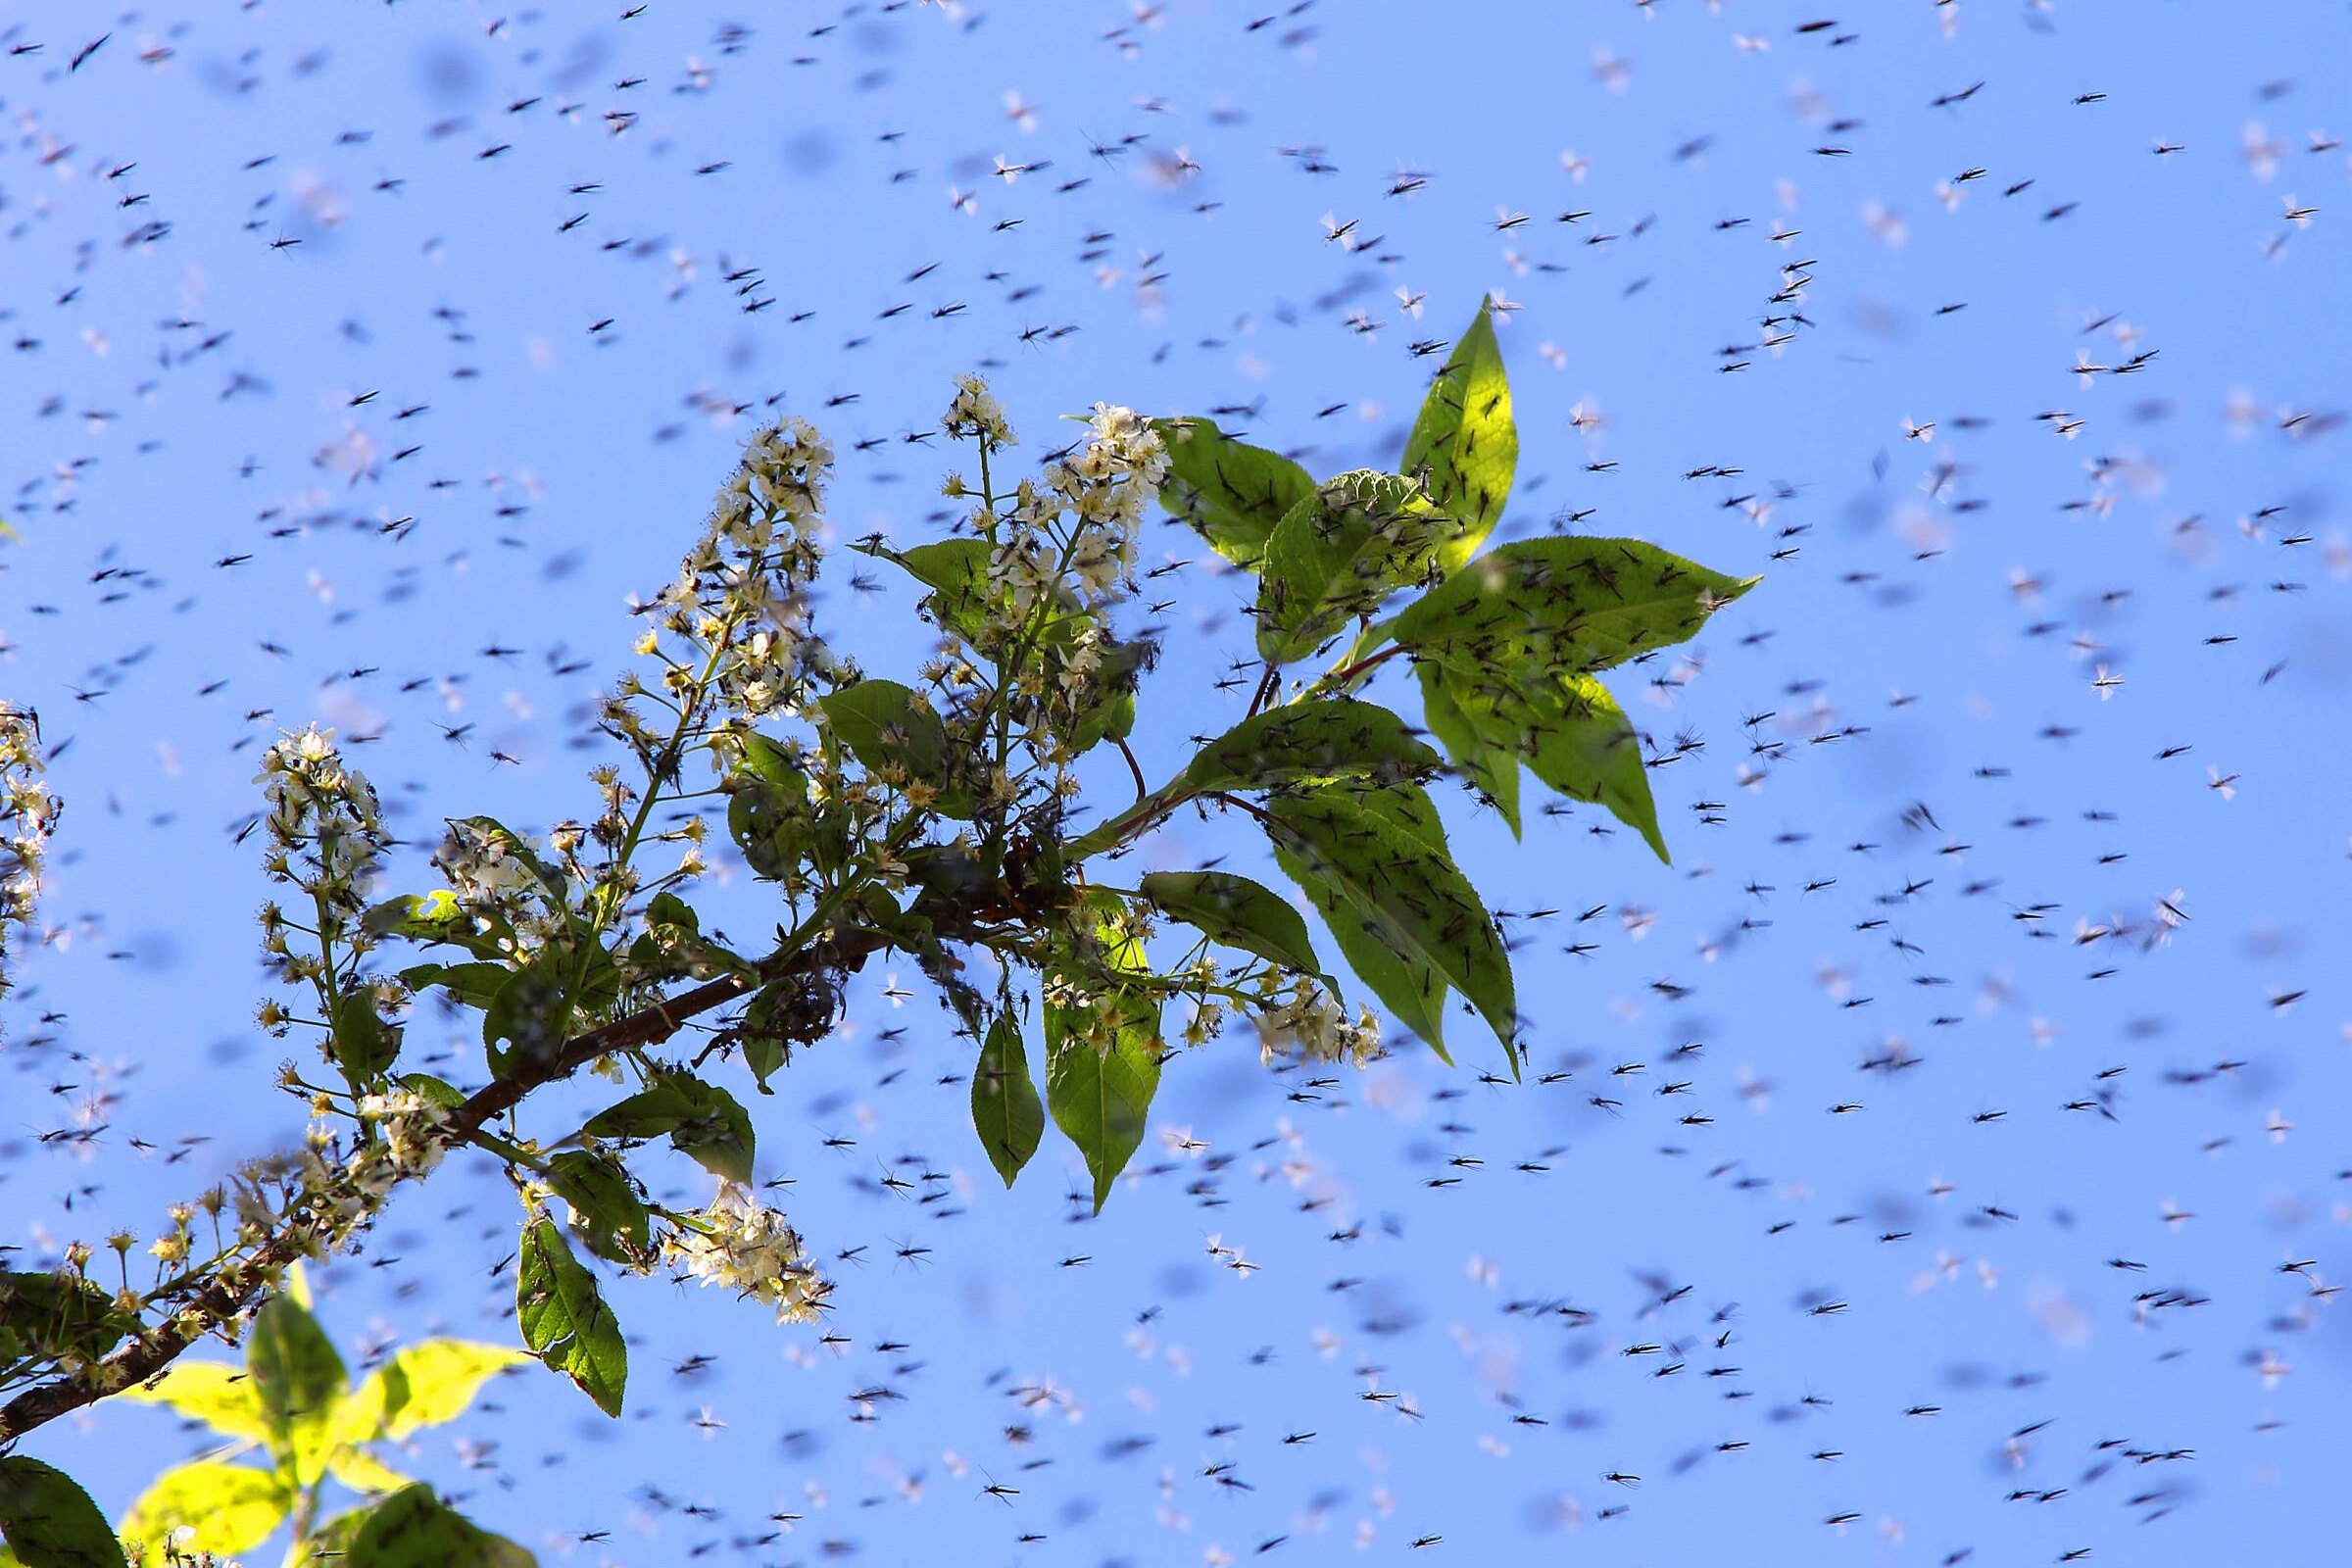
x=1006, y=1110
x=1464, y=441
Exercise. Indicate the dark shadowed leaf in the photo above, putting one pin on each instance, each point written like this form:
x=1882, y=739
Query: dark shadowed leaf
x=49, y=1522
x=1236, y=911
x=605, y=1211
x=890, y=726
x=415, y=1528
x=704, y=1121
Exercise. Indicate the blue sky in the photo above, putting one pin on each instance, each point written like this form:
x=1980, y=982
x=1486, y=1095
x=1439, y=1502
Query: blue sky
x=1934, y=613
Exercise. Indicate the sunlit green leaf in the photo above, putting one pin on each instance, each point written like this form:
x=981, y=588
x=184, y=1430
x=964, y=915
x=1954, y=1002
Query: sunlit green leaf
x=563, y=1317
x=1464, y=440
x=1568, y=730
x=1232, y=493
x=433, y=917
x=230, y=1507
x=955, y=571
x=1565, y=607
x=363, y=1471
x=1339, y=553
x=1101, y=1091
x=1364, y=860
x=297, y=1377
x=1337, y=738
x=1006, y=1110
x=1493, y=768
x=1236, y=911
x=49, y=1522
x=1102, y=1059
x=421, y=1385
x=210, y=1392
x=415, y=1528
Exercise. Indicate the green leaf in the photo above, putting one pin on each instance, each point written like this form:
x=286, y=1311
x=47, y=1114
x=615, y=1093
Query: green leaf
x=955, y=571
x=1568, y=730
x=362, y=1471
x=1409, y=988
x=57, y=1315
x=1368, y=862
x=434, y=918
x=50, y=1522
x=565, y=1319
x=1493, y=768
x=672, y=945
x=231, y=1508
x=1335, y=738
x=1464, y=441
x=704, y=1121
x=1233, y=494
x=413, y=1529
x=365, y=1045
x=422, y=1385
x=210, y=1392
x=887, y=725
x=1340, y=554
x=474, y=985
x=605, y=1211
x=1237, y=912
x=771, y=822
x=437, y=1089
x=298, y=1378
x=1006, y=1111
x=1103, y=1060
x=529, y=1014
x=1564, y=607
x=1101, y=1093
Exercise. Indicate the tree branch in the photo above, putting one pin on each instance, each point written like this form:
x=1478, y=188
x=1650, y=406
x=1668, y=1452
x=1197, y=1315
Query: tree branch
x=228, y=1295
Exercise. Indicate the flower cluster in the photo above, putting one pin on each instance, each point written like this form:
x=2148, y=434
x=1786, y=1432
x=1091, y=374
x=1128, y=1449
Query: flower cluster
x=742, y=1243
x=977, y=415
x=29, y=813
x=1074, y=528
x=1312, y=1027
x=487, y=869
x=410, y=1130
x=326, y=838
x=741, y=598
